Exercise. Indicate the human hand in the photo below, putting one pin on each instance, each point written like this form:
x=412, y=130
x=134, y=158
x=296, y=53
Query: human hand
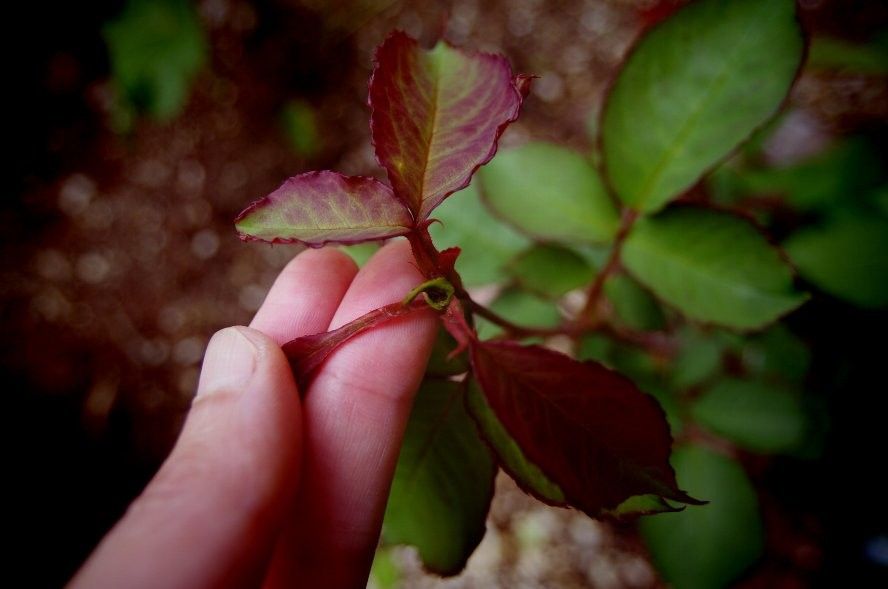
x=262, y=488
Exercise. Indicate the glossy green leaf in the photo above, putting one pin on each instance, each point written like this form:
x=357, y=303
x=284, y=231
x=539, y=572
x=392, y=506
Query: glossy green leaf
x=487, y=244
x=714, y=267
x=520, y=307
x=527, y=475
x=549, y=192
x=846, y=257
x=633, y=305
x=696, y=86
x=708, y=546
x=754, y=415
x=551, y=270
x=443, y=482
x=156, y=48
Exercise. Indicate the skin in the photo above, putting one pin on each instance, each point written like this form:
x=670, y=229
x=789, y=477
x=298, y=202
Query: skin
x=262, y=489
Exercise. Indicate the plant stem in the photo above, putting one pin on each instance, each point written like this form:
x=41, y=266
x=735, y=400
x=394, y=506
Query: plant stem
x=516, y=330
x=424, y=252
x=593, y=298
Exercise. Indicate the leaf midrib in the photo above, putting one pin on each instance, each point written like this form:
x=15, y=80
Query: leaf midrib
x=720, y=282
x=677, y=144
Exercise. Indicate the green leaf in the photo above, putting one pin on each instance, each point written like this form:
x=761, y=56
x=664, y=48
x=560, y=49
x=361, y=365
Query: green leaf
x=695, y=87
x=708, y=546
x=551, y=270
x=846, y=257
x=551, y=193
x=522, y=308
x=699, y=359
x=487, y=244
x=714, y=267
x=443, y=482
x=843, y=172
x=776, y=352
x=384, y=572
x=527, y=475
x=361, y=252
x=633, y=305
x=156, y=47
x=755, y=415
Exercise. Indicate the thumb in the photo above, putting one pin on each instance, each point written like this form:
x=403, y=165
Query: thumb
x=212, y=513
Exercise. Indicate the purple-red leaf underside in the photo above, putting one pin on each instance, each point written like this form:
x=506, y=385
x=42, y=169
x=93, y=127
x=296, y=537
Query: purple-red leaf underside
x=316, y=208
x=587, y=428
x=307, y=353
x=436, y=116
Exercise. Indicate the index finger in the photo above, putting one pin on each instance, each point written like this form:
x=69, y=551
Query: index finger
x=355, y=414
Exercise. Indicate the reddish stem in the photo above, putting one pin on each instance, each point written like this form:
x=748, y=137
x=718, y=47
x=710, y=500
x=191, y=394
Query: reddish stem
x=593, y=297
x=424, y=252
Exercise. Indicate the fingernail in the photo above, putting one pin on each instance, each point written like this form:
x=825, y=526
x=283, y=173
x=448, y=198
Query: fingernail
x=229, y=362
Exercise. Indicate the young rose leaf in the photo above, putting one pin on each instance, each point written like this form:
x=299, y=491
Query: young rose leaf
x=551, y=193
x=527, y=475
x=588, y=429
x=755, y=415
x=443, y=482
x=316, y=208
x=308, y=352
x=712, y=266
x=436, y=116
x=847, y=257
x=696, y=86
x=711, y=546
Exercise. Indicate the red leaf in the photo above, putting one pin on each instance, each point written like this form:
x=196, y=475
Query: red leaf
x=316, y=208
x=307, y=353
x=436, y=116
x=590, y=430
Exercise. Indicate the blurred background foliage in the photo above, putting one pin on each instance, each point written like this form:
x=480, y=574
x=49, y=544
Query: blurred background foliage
x=141, y=127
